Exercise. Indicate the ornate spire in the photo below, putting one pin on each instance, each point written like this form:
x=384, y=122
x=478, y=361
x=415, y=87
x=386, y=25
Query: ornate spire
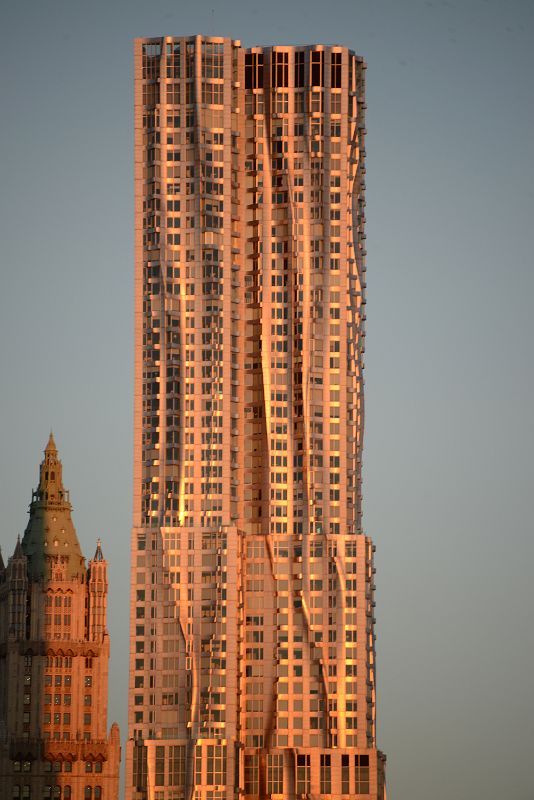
x=50, y=477
x=18, y=552
x=50, y=538
x=99, y=556
x=51, y=446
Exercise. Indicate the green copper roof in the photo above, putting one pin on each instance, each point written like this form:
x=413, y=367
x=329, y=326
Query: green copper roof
x=50, y=537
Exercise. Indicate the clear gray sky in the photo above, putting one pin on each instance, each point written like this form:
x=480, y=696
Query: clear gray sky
x=449, y=380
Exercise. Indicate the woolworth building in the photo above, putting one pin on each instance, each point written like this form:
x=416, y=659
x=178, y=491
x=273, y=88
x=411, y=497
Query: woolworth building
x=54, y=654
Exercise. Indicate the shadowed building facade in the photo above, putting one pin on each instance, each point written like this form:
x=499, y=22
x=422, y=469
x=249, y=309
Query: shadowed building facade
x=252, y=669
x=54, y=653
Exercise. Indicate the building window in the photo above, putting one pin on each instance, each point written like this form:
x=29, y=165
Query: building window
x=299, y=69
x=275, y=772
x=279, y=69
x=177, y=766
x=317, y=68
x=345, y=775
x=335, y=72
x=212, y=60
x=361, y=764
x=254, y=72
x=160, y=766
x=326, y=774
x=303, y=774
x=251, y=774
x=216, y=765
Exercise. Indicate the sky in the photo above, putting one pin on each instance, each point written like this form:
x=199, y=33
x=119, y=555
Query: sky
x=448, y=477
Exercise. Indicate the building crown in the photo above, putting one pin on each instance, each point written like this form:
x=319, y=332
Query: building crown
x=50, y=541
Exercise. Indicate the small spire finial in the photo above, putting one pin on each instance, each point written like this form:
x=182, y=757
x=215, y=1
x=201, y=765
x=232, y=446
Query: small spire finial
x=99, y=556
x=18, y=549
x=51, y=446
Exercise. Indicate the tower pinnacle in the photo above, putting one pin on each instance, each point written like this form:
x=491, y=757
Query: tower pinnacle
x=50, y=537
x=51, y=445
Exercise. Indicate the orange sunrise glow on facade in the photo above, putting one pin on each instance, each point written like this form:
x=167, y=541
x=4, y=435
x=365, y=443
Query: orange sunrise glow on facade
x=252, y=663
x=54, y=655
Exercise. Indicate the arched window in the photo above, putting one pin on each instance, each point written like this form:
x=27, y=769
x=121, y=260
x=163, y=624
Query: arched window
x=98, y=793
x=16, y=792
x=66, y=793
x=56, y=793
x=88, y=793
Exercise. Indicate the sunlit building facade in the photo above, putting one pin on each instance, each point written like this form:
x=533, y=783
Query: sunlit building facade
x=252, y=668
x=54, y=656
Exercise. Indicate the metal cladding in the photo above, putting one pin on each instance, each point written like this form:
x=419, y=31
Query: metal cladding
x=252, y=670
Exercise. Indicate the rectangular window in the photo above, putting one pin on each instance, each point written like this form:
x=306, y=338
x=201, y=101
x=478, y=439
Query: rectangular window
x=345, y=775
x=361, y=766
x=160, y=766
x=212, y=60
x=139, y=767
x=173, y=59
x=251, y=774
x=254, y=72
x=173, y=94
x=279, y=69
x=198, y=764
x=317, y=68
x=275, y=773
x=177, y=766
x=216, y=765
x=326, y=774
x=213, y=93
x=299, y=69
x=335, y=71
x=303, y=774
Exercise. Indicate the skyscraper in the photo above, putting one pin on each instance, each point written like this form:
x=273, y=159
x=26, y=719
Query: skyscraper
x=54, y=653
x=252, y=614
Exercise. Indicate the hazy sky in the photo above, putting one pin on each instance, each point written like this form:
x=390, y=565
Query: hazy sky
x=448, y=480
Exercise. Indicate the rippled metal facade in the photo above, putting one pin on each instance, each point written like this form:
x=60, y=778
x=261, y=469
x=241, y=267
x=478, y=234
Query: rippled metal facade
x=252, y=641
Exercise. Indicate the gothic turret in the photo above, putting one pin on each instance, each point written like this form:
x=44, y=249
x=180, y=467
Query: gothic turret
x=50, y=542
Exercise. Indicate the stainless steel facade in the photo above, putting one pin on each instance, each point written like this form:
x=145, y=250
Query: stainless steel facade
x=252, y=668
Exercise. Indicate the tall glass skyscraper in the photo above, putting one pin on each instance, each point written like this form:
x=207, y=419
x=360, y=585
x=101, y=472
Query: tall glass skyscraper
x=252, y=670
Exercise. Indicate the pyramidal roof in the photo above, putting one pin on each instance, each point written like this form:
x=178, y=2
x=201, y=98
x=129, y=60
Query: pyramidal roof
x=50, y=537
